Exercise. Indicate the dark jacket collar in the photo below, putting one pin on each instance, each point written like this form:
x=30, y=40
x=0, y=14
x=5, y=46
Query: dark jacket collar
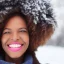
x=28, y=60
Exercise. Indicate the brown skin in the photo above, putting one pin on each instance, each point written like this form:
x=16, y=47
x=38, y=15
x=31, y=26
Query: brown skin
x=15, y=31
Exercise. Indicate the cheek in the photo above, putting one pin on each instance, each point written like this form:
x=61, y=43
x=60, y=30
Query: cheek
x=25, y=37
x=4, y=39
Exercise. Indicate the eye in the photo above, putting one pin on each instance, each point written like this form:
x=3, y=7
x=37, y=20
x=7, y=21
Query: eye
x=6, y=32
x=23, y=30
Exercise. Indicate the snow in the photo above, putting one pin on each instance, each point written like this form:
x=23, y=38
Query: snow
x=50, y=55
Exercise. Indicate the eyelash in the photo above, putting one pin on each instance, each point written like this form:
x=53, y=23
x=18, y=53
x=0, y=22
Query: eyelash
x=19, y=31
x=23, y=31
x=6, y=33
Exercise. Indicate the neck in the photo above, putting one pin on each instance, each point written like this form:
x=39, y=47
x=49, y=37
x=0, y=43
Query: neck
x=14, y=60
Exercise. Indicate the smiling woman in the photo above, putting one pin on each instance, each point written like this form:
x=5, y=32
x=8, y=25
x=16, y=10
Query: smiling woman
x=15, y=38
x=23, y=28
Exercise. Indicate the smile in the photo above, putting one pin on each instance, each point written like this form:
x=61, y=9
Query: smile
x=15, y=47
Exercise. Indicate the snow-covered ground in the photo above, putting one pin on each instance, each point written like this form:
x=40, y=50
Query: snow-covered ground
x=50, y=55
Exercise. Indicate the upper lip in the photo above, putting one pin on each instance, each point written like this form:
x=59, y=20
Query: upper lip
x=15, y=43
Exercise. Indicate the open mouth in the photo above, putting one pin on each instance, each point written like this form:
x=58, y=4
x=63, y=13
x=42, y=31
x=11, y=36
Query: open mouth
x=15, y=47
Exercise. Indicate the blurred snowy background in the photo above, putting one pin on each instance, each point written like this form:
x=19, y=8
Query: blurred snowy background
x=53, y=51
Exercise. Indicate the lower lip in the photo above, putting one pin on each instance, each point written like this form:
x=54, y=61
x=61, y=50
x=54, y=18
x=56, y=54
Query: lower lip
x=15, y=49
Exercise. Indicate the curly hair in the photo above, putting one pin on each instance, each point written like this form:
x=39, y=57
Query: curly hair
x=38, y=16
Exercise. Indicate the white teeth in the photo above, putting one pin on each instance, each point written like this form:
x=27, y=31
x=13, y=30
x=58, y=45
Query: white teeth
x=14, y=45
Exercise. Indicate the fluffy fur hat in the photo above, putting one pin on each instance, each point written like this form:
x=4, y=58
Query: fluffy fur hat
x=40, y=10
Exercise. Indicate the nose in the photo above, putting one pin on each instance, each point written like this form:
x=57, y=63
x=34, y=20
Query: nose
x=15, y=37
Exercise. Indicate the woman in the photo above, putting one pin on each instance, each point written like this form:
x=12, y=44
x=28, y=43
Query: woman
x=24, y=26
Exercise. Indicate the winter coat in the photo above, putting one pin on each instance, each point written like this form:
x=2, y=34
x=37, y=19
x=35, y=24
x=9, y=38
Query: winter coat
x=28, y=60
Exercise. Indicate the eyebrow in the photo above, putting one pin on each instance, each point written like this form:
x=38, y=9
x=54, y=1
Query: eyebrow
x=23, y=28
x=7, y=29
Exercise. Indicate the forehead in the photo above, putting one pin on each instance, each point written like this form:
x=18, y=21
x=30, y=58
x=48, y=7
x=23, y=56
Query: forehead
x=16, y=22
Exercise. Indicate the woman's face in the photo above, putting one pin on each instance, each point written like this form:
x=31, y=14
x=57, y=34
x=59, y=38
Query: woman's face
x=15, y=37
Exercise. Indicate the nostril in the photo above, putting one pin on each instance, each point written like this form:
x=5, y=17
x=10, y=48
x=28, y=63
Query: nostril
x=15, y=39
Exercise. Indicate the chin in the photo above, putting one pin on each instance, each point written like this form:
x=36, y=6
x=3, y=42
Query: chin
x=14, y=56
